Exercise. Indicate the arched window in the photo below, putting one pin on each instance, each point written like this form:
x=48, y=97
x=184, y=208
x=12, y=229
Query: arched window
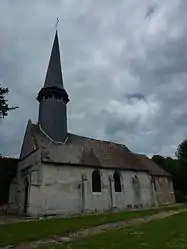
x=96, y=181
x=117, y=182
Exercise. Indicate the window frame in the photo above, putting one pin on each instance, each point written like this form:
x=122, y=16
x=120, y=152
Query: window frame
x=96, y=183
x=117, y=182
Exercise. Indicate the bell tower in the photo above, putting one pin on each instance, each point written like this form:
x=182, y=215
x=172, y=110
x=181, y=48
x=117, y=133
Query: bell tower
x=53, y=99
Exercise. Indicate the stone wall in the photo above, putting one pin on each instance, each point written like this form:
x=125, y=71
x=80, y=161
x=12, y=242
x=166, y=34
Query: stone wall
x=68, y=190
x=163, y=188
x=28, y=169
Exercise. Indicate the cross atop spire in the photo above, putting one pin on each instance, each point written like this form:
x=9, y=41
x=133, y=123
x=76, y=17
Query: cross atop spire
x=54, y=72
x=56, y=25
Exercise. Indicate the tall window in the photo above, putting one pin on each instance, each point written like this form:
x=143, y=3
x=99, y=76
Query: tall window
x=96, y=181
x=117, y=182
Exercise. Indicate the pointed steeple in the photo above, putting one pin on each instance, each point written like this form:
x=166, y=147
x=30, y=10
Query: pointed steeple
x=54, y=73
x=54, y=80
x=53, y=99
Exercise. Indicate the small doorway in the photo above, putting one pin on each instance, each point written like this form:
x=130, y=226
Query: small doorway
x=26, y=194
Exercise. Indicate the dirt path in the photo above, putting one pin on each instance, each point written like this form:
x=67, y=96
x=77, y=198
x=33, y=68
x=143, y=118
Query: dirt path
x=57, y=240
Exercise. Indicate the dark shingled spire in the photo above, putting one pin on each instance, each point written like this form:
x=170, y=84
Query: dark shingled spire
x=53, y=99
x=54, y=80
x=54, y=73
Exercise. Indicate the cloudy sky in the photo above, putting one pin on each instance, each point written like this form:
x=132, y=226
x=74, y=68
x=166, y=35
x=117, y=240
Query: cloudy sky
x=124, y=67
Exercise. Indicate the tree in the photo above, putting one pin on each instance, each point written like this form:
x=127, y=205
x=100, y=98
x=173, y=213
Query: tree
x=178, y=170
x=4, y=107
x=181, y=152
x=8, y=169
x=159, y=160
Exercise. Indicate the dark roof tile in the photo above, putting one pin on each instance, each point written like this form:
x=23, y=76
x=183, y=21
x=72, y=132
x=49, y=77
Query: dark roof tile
x=151, y=166
x=79, y=150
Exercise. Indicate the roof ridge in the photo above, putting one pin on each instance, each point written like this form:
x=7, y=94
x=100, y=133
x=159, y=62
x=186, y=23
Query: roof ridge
x=99, y=140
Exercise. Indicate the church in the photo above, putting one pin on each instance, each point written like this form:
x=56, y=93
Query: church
x=60, y=173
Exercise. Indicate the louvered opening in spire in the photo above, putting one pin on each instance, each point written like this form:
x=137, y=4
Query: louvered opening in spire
x=54, y=71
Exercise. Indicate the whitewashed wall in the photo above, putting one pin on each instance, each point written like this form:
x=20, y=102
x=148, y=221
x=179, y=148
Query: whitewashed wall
x=64, y=192
x=164, y=191
x=26, y=168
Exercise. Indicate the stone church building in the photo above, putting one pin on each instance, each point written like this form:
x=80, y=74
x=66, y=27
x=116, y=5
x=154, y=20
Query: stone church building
x=63, y=173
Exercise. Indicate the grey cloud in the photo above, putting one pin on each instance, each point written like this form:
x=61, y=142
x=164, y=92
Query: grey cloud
x=136, y=96
x=150, y=11
x=109, y=52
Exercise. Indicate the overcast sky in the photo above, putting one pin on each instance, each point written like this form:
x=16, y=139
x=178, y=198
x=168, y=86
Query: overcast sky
x=124, y=67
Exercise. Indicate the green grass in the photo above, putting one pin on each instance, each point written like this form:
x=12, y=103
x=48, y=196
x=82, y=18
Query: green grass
x=16, y=233
x=167, y=233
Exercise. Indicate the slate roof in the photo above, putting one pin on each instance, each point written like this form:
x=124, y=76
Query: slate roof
x=151, y=166
x=79, y=150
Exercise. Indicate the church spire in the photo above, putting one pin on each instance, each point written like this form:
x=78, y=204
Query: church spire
x=54, y=73
x=53, y=98
x=54, y=80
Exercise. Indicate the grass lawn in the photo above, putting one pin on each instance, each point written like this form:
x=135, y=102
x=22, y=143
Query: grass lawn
x=34, y=230
x=168, y=233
